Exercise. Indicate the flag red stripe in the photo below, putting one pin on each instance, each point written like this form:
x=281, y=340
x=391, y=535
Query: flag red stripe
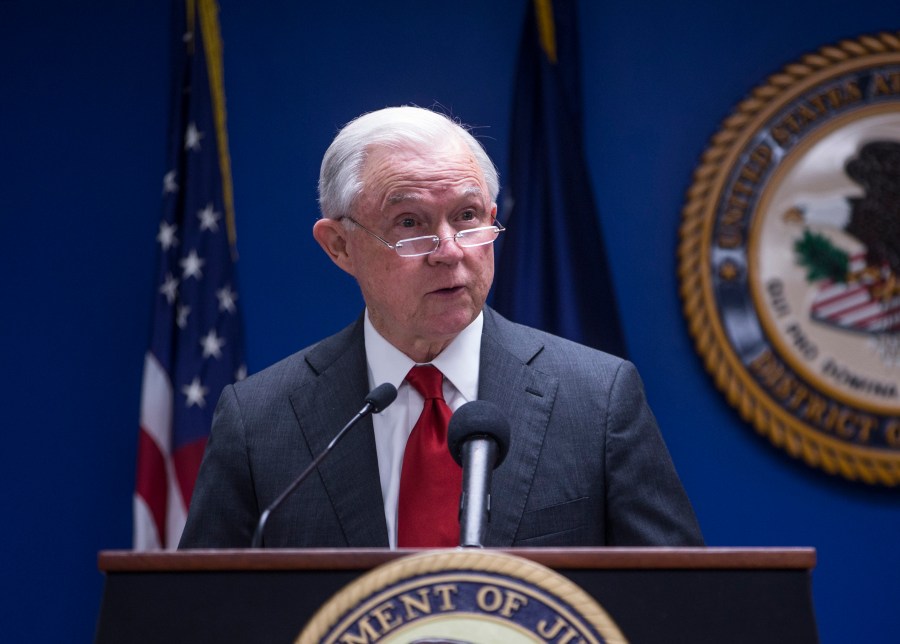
x=151, y=482
x=187, y=460
x=826, y=300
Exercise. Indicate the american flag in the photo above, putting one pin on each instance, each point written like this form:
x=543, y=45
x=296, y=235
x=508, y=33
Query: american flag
x=196, y=345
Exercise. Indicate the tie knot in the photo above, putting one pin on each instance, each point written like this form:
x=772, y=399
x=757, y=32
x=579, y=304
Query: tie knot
x=427, y=380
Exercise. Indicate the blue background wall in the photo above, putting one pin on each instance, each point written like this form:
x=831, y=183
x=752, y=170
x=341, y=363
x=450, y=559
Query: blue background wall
x=83, y=110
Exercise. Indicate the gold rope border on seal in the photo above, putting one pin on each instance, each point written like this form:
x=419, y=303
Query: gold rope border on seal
x=479, y=561
x=782, y=429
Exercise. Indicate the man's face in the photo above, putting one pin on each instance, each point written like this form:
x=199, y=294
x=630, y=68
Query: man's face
x=420, y=304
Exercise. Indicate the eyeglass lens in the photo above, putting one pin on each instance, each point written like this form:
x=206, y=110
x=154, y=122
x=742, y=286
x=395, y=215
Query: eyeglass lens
x=465, y=238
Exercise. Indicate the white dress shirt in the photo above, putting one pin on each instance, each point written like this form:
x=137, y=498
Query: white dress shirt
x=458, y=362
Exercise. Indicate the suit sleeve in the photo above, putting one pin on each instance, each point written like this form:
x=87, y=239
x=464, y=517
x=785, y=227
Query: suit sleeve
x=646, y=503
x=224, y=510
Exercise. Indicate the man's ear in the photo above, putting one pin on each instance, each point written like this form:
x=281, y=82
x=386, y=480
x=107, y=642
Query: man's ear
x=332, y=237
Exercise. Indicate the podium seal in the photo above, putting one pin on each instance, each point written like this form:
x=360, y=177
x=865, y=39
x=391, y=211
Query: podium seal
x=789, y=259
x=471, y=596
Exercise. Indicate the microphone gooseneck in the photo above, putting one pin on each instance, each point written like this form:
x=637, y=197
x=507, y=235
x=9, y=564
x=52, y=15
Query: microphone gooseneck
x=478, y=439
x=377, y=400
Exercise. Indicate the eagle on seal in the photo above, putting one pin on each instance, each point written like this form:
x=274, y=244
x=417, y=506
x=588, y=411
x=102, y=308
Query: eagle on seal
x=875, y=217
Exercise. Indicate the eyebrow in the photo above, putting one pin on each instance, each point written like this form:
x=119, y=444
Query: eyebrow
x=402, y=196
x=399, y=197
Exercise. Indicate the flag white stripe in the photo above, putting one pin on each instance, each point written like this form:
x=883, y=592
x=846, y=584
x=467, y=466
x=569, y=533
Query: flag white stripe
x=145, y=534
x=156, y=404
x=842, y=305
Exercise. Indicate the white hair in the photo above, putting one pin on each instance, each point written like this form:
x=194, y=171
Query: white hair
x=340, y=177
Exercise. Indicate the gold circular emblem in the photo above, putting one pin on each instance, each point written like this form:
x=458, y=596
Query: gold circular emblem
x=461, y=596
x=789, y=259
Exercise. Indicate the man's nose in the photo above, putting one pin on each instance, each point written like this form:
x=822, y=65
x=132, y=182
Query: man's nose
x=448, y=249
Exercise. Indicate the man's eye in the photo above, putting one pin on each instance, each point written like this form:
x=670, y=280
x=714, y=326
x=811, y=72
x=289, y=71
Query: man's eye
x=409, y=222
x=469, y=215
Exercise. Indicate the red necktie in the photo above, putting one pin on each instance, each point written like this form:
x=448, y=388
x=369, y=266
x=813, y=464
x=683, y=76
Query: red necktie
x=430, y=480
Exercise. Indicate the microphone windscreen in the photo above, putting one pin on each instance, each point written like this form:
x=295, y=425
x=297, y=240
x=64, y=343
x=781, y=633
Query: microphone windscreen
x=478, y=418
x=382, y=396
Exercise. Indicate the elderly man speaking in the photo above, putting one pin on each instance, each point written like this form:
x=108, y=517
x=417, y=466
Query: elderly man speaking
x=409, y=205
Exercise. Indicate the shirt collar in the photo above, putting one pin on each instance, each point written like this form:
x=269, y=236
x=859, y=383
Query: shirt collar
x=459, y=361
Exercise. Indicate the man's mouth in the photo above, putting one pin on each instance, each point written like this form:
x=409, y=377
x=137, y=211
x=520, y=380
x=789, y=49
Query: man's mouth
x=448, y=291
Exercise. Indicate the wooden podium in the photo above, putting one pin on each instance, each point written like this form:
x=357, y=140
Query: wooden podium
x=653, y=594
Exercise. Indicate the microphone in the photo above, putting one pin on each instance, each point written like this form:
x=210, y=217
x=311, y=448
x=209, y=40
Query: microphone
x=377, y=400
x=478, y=438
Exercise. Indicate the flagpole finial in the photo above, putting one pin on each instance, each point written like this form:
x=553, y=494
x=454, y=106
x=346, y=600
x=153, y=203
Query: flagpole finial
x=546, y=27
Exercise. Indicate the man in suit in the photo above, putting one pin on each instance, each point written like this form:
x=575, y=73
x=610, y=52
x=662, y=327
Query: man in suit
x=408, y=199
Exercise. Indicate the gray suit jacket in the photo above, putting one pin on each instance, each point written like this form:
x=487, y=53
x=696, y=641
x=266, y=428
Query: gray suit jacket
x=586, y=466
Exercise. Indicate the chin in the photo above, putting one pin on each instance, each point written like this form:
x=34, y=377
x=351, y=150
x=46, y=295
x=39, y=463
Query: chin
x=450, y=324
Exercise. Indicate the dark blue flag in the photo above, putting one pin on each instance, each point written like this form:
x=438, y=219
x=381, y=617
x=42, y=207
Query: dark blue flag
x=196, y=345
x=552, y=270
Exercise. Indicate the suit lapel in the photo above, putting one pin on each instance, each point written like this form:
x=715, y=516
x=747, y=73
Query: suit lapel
x=526, y=397
x=350, y=473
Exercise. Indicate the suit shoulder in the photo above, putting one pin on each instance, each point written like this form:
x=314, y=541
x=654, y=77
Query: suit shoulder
x=542, y=349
